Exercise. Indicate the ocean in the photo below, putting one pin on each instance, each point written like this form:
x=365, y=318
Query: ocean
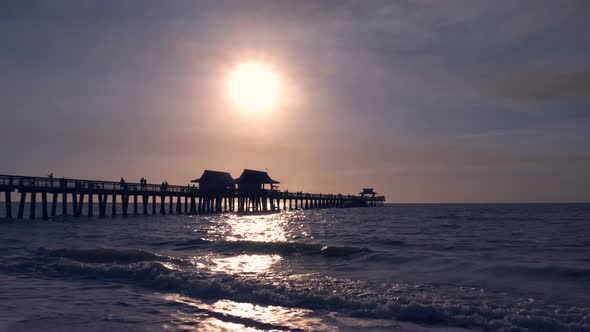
x=402, y=267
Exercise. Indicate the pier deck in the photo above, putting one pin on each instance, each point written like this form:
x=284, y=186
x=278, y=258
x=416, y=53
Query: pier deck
x=172, y=198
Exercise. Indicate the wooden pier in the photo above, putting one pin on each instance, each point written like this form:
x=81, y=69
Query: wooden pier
x=77, y=197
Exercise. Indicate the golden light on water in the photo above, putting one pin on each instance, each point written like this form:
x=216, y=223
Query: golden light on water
x=270, y=228
x=293, y=318
x=259, y=231
x=254, y=87
x=245, y=264
x=252, y=229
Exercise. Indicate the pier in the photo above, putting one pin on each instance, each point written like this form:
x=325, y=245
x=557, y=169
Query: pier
x=247, y=194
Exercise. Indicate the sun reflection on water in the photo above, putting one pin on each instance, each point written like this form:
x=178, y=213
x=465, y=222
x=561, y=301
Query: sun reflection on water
x=257, y=228
x=236, y=242
x=241, y=232
x=278, y=227
x=248, y=264
x=227, y=315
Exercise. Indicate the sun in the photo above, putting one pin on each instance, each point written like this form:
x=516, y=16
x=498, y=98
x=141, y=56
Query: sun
x=254, y=87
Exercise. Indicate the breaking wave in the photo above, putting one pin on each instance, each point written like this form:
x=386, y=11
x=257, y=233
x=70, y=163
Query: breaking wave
x=351, y=298
x=258, y=247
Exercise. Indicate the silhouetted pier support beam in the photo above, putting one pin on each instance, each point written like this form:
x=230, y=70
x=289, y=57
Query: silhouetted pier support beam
x=8, y=203
x=193, y=205
x=75, y=204
x=64, y=204
x=33, y=205
x=81, y=204
x=90, y=205
x=162, y=204
x=53, y=204
x=154, y=203
x=125, y=204
x=21, y=205
x=135, y=204
x=114, y=206
x=44, y=205
x=102, y=205
x=145, y=199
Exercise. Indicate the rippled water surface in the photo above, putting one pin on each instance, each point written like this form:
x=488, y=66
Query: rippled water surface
x=400, y=267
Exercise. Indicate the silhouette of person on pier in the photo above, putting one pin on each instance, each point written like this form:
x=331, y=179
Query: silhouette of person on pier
x=122, y=182
x=50, y=179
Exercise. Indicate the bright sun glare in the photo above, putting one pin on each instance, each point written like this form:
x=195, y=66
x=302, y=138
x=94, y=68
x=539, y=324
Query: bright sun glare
x=254, y=87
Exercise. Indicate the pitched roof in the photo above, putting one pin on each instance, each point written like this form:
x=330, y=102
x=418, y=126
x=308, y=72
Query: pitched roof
x=367, y=191
x=252, y=176
x=215, y=176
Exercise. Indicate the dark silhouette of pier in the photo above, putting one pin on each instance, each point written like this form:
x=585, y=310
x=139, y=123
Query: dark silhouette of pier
x=216, y=192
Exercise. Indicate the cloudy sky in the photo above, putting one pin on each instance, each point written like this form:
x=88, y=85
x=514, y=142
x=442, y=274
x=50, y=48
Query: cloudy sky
x=427, y=101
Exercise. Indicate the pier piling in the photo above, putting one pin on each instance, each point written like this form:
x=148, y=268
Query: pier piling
x=33, y=205
x=102, y=205
x=90, y=205
x=114, y=206
x=21, y=205
x=145, y=202
x=44, y=205
x=75, y=204
x=162, y=204
x=178, y=206
x=81, y=204
x=53, y=204
x=8, y=202
x=125, y=203
x=64, y=204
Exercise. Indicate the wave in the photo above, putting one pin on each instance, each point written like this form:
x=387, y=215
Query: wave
x=192, y=243
x=554, y=272
x=259, y=247
x=107, y=255
x=290, y=248
x=311, y=292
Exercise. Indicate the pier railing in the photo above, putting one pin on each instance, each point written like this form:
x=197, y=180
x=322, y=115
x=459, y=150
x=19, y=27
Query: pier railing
x=70, y=183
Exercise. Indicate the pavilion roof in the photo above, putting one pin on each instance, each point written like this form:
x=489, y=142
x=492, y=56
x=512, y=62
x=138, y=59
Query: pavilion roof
x=215, y=177
x=367, y=191
x=250, y=176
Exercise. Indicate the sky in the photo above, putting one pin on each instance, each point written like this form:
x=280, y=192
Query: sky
x=426, y=101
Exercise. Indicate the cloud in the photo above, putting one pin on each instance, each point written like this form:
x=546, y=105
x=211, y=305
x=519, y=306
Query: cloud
x=548, y=85
x=381, y=86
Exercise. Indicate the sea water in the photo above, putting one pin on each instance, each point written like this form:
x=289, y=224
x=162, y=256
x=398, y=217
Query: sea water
x=504, y=267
